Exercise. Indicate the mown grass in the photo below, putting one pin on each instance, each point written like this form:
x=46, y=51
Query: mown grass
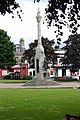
x=13, y=81
x=38, y=104
x=23, y=81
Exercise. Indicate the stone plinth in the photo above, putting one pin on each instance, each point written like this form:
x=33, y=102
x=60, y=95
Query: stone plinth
x=39, y=62
x=40, y=82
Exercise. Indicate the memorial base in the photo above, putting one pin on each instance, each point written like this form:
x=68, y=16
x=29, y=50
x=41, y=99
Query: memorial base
x=43, y=82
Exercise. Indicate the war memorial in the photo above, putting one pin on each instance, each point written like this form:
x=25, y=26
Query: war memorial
x=39, y=79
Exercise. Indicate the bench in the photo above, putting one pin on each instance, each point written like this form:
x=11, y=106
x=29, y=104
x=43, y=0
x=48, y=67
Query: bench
x=72, y=117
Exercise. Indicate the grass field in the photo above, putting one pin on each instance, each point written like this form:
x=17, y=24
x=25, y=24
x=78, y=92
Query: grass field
x=23, y=81
x=38, y=104
x=12, y=81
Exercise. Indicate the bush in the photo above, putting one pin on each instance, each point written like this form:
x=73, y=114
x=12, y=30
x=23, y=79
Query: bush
x=27, y=77
x=65, y=79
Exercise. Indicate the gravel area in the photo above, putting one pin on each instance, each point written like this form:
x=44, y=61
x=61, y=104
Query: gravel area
x=61, y=85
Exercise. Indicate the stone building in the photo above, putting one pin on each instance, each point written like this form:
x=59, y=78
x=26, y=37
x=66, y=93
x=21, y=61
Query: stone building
x=19, y=50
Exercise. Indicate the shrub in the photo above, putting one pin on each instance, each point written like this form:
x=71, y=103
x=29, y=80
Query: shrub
x=65, y=79
x=27, y=77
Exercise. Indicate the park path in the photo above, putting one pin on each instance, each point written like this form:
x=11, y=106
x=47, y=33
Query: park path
x=61, y=85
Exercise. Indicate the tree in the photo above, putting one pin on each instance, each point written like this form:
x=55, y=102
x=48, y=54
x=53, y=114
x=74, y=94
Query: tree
x=6, y=50
x=8, y=6
x=50, y=56
x=58, y=13
x=72, y=52
x=63, y=12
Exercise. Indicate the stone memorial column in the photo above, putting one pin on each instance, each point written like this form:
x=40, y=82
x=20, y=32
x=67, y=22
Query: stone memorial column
x=39, y=57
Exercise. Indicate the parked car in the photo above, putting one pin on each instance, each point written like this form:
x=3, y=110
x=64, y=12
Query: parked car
x=13, y=75
x=74, y=77
x=9, y=76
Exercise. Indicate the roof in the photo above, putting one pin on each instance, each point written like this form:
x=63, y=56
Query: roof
x=16, y=66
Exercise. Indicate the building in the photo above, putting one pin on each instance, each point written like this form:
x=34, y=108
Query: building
x=21, y=65
x=19, y=50
x=62, y=70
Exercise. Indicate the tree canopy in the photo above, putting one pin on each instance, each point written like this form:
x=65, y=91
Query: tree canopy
x=8, y=6
x=72, y=52
x=58, y=13
x=63, y=12
x=7, y=48
x=50, y=56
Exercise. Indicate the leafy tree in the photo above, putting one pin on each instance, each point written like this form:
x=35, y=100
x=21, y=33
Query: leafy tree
x=63, y=12
x=8, y=6
x=50, y=56
x=58, y=13
x=72, y=52
x=6, y=50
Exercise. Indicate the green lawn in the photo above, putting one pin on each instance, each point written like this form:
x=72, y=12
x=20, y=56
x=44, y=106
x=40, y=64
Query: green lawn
x=38, y=104
x=23, y=81
x=13, y=81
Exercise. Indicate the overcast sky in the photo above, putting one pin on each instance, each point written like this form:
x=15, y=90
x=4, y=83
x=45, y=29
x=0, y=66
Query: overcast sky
x=27, y=28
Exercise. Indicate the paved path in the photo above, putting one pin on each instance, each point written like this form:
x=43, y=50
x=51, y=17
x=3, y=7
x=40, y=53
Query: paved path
x=20, y=85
